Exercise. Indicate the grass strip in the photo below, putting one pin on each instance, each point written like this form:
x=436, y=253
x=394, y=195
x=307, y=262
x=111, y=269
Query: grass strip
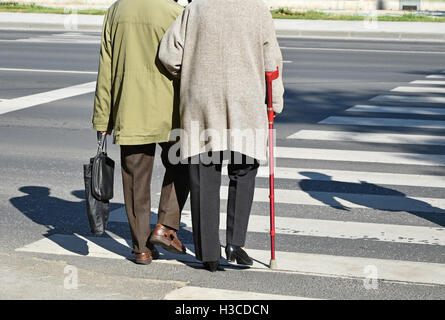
x=277, y=14
x=317, y=15
x=32, y=8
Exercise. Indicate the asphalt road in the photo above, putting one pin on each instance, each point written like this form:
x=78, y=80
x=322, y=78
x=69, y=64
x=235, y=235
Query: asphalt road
x=44, y=146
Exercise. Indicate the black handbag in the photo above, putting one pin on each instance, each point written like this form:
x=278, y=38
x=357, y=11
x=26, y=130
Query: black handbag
x=98, y=177
x=102, y=172
x=97, y=211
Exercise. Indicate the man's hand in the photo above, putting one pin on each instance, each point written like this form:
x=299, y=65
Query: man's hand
x=101, y=134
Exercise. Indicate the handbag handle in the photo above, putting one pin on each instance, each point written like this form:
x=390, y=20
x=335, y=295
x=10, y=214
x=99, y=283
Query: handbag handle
x=102, y=144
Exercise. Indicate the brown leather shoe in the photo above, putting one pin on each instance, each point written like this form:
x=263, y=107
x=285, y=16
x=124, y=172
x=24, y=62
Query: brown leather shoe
x=143, y=258
x=167, y=239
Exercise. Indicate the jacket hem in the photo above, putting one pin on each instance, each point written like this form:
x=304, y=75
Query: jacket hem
x=100, y=127
x=131, y=140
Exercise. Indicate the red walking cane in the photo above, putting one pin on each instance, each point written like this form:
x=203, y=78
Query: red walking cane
x=270, y=76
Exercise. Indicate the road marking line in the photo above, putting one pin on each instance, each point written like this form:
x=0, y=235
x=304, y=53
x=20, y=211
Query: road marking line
x=50, y=41
x=420, y=99
x=326, y=228
x=361, y=156
x=200, y=293
x=367, y=137
x=436, y=76
x=437, y=82
x=419, y=89
x=350, y=200
x=46, y=97
x=70, y=37
x=305, y=263
x=385, y=122
x=362, y=50
x=358, y=177
x=47, y=71
x=393, y=109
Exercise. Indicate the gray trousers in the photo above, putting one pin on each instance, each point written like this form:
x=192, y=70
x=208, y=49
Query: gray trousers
x=205, y=183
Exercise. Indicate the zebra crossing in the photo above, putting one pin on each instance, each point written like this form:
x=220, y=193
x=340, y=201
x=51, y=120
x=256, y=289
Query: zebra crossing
x=363, y=129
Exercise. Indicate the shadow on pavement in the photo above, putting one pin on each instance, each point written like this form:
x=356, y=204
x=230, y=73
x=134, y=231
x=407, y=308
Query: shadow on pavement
x=67, y=221
x=419, y=208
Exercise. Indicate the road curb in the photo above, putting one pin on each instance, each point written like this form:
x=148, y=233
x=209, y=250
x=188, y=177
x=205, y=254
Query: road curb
x=297, y=28
x=43, y=26
x=53, y=22
x=398, y=36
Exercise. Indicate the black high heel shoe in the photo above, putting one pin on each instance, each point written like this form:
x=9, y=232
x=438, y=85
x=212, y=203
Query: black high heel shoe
x=235, y=253
x=212, y=266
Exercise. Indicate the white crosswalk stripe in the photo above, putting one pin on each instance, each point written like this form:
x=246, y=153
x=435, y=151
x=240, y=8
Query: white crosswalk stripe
x=435, y=82
x=323, y=228
x=418, y=99
x=402, y=110
x=361, y=156
x=385, y=122
x=46, y=97
x=419, y=89
x=350, y=200
x=199, y=293
x=117, y=248
x=371, y=137
x=356, y=177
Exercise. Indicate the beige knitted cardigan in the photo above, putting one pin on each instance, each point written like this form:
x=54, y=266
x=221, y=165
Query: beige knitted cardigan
x=221, y=49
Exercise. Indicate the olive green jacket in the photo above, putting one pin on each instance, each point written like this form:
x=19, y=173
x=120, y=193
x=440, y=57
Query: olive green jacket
x=135, y=95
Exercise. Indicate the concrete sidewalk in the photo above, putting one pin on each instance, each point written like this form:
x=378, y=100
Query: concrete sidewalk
x=25, y=277
x=420, y=31
x=56, y=22
x=425, y=31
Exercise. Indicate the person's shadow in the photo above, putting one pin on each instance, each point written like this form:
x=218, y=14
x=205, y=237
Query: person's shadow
x=367, y=195
x=67, y=221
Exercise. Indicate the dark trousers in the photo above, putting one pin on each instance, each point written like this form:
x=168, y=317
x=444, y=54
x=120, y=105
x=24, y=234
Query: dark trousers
x=137, y=168
x=205, y=183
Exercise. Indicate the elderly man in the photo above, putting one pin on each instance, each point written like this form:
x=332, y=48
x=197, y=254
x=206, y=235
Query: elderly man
x=221, y=49
x=137, y=98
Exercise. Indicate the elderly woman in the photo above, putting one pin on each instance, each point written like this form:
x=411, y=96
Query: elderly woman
x=221, y=50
